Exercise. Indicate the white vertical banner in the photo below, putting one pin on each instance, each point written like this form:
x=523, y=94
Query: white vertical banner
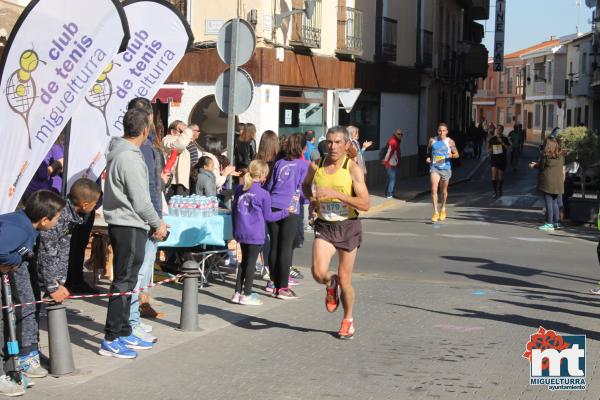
x=160, y=36
x=51, y=59
x=499, y=37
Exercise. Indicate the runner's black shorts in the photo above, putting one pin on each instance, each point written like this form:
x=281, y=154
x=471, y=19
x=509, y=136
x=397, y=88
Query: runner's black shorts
x=499, y=163
x=343, y=235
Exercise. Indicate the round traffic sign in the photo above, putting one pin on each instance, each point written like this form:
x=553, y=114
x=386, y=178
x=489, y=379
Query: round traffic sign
x=244, y=91
x=246, y=42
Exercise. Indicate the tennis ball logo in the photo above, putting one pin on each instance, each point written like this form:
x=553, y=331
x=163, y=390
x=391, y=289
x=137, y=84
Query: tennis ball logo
x=98, y=88
x=28, y=62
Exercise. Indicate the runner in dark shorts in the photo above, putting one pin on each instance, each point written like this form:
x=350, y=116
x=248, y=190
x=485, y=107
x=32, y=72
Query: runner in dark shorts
x=498, y=147
x=336, y=188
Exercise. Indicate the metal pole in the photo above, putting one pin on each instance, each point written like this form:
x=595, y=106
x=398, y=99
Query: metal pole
x=189, y=301
x=12, y=345
x=231, y=97
x=61, y=355
x=65, y=171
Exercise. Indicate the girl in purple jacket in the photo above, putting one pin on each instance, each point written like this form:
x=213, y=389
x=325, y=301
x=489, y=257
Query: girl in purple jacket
x=251, y=210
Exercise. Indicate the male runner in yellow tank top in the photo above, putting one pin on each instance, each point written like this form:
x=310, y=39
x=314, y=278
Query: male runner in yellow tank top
x=339, y=191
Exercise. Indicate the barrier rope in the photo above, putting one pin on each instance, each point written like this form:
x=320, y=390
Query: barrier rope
x=89, y=296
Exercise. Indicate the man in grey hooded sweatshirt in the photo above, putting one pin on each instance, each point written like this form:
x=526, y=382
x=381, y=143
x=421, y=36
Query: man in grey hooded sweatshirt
x=130, y=215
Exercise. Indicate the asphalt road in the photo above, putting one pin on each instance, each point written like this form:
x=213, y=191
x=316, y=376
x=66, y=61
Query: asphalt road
x=443, y=311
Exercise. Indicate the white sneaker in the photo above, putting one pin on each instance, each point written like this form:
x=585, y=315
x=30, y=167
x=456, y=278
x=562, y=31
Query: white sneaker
x=141, y=334
x=10, y=388
x=145, y=327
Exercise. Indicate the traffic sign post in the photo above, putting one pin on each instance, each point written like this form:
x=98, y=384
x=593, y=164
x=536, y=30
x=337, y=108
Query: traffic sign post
x=234, y=88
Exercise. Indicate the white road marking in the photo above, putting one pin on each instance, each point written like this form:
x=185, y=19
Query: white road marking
x=537, y=240
x=408, y=234
x=456, y=236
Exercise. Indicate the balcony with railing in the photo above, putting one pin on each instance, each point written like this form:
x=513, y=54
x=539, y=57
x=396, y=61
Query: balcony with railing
x=389, y=39
x=350, y=31
x=306, y=32
x=485, y=94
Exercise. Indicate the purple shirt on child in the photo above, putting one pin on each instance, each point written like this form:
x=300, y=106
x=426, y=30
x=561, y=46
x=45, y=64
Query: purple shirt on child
x=251, y=209
x=285, y=184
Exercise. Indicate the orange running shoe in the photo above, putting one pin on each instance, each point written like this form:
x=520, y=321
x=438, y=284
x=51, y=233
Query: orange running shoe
x=347, y=329
x=435, y=217
x=443, y=215
x=332, y=300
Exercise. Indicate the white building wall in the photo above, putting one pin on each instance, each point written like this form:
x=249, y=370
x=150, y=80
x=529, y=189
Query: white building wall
x=263, y=111
x=399, y=111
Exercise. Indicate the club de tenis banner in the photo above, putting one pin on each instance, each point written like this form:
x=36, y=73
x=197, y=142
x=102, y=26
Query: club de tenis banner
x=160, y=37
x=53, y=57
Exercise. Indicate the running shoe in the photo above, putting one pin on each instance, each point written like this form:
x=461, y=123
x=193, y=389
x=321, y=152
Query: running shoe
x=10, y=388
x=141, y=334
x=147, y=328
x=250, y=300
x=332, y=300
x=347, y=329
x=31, y=365
x=270, y=287
x=236, y=298
x=595, y=290
x=443, y=215
x=435, y=217
x=286, y=294
x=557, y=226
x=116, y=349
x=295, y=273
x=135, y=343
x=546, y=227
x=292, y=281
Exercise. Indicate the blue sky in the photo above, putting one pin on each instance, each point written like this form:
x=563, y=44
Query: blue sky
x=532, y=21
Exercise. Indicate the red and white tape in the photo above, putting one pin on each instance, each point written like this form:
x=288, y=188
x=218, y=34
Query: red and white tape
x=89, y=296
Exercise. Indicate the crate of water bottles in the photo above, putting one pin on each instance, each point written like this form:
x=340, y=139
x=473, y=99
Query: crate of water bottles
x=193, y=206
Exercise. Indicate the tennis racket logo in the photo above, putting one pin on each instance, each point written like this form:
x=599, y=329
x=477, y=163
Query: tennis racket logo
x=20, y=88
x=100, y=93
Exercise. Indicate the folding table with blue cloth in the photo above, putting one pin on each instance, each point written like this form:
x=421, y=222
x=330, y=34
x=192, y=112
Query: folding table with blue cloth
x=201, y=238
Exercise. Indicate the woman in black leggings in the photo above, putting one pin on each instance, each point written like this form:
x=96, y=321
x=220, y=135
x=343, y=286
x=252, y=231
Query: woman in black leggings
x=284, y=186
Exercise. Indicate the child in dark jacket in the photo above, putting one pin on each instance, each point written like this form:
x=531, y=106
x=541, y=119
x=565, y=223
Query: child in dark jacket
x=251, y=209
x=18, y=233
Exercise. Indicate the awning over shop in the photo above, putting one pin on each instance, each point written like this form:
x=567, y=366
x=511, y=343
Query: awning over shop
x=166, y=94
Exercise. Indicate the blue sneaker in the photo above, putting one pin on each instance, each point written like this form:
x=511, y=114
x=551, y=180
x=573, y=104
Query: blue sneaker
x=135, y=343
x=546, y=227
x=116, y=349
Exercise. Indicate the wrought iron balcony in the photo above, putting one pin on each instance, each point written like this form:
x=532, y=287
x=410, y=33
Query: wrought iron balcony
x=350, y=31
x=307, y=32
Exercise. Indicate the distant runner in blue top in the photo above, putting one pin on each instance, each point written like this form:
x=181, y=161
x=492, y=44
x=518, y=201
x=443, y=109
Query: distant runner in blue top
x=441, y=149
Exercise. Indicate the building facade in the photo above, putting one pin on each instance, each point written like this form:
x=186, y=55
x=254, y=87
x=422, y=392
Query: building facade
x=412, y=83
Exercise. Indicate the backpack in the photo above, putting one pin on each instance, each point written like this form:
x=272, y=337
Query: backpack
x=383, y=152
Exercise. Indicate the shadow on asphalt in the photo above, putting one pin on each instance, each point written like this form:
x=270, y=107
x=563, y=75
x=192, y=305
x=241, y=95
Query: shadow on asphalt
x=514, y=319
x=243, y=320
x=518, y=270
x=498, y=280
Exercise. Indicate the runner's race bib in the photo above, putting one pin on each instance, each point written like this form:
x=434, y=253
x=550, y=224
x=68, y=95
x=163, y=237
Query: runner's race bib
x=497, y=149
x=333, y=211
x=439, y=159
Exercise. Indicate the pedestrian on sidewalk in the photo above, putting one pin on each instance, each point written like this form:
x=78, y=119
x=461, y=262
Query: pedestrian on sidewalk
x=284, y=185
x=18, y=234
x=498, y=148
x=360, y=149
x=129, y=214
x=154, y=162
x=550, y=180
x=478, y=140
x=515, y=137
x=391, y=161
x=441, y=150
x=251, y=209
x=339, y=193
